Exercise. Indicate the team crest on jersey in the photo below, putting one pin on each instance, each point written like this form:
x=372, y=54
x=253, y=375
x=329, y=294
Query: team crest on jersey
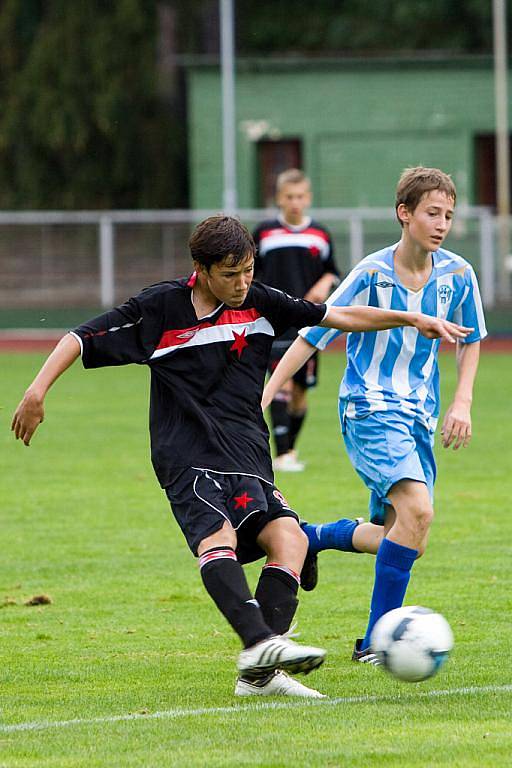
x=445, y=293
x=279, y=496
x=385, y=284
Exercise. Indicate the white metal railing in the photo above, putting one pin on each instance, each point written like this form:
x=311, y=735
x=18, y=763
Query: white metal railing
x=356, y=232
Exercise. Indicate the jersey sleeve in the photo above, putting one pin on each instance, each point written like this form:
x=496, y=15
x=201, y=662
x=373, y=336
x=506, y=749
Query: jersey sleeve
x=469, y=311
x=353, y=291
x=285, y=312
x=126, y=334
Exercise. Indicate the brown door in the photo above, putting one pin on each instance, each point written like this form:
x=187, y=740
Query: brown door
x=485, y=177
x=273, y=158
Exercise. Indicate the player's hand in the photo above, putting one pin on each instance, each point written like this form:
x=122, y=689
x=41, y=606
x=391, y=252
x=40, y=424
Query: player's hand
x=27, y=417
x=436, y=328
x=456, y=429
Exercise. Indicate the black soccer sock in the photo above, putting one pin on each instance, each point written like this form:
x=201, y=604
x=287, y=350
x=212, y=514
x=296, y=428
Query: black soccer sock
x=277, y=595
x=225, y=582
x=296, y=422
x=280, y=425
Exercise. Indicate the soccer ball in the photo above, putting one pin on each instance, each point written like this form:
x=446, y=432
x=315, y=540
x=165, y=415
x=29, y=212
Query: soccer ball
x=412, y=642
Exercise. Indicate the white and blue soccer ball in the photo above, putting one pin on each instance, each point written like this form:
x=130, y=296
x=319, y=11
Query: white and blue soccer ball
x=412, y=642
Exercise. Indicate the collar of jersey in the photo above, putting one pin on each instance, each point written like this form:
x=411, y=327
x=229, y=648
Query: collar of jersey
x=293, y=227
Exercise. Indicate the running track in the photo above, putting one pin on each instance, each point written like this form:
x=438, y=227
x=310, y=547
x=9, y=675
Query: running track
x=26, y=340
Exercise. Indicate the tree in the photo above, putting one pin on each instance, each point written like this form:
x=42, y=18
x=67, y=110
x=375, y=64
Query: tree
x=93, y=93
x=83, y=123
x=364, y=26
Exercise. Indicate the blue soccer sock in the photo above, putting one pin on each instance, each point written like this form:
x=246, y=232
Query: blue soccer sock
x=392, y=573
x=336, y=535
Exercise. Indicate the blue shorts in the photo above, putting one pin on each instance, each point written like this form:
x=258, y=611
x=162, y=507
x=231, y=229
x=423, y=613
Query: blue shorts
x=385, y=447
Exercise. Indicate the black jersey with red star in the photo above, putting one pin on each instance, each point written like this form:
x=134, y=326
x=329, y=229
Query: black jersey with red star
x=207, y=374
x=293, y=258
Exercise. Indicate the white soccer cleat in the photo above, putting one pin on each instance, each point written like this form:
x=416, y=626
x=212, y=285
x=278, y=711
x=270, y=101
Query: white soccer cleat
x=280, y=684
x=288, y=462
x=279, y=653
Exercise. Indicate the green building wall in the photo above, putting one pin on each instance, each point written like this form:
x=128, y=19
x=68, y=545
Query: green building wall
x=360, y=122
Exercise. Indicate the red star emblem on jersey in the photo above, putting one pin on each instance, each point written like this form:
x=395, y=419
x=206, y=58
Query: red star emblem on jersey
x=242, y=501
x=240, y=343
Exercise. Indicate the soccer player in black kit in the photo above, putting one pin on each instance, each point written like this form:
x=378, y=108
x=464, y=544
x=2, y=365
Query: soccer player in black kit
x=295, y=253
x=206, y=340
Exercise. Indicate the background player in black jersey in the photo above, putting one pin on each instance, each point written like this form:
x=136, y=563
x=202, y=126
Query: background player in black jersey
x=294, y=253
x=206, y=340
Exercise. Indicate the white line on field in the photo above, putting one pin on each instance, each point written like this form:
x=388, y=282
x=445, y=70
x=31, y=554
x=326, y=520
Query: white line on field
x=173, y=714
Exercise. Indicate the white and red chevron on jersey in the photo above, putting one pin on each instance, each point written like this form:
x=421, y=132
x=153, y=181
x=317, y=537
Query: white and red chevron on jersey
x=245, y=321
x=207, y=373
x=314, y=239
x=293, y=258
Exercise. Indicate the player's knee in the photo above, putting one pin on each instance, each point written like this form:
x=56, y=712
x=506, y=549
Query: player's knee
x=425, y=516
x=302, y=541
x=296, y=541
x=422, y=515
x=225, y=537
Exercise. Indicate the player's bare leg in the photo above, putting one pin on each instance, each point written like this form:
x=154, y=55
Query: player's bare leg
x=411, y=516
x=367, y=538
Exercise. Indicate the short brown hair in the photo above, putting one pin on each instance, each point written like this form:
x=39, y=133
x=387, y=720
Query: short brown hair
x=290, y=176
x=416, y=182
x=220, y=236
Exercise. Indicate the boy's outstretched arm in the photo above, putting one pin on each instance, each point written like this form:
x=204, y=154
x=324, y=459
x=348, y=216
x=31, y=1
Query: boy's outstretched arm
x=30, y=412
x=456, y=427
x=359, y=319
x=293, y=359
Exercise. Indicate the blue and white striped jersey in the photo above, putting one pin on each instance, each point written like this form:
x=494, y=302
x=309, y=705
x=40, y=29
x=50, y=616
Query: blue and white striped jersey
x=397, y=369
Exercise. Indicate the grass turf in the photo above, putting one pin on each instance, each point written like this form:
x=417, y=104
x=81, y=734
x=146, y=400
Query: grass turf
x=131, y=633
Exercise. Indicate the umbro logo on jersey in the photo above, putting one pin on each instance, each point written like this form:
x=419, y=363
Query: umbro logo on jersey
x=385, y=284
x=187, y=334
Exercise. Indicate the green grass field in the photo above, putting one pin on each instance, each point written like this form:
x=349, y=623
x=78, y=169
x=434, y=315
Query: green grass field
x=131, y=665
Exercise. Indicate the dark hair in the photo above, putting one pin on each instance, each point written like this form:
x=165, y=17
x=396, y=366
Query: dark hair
x=416, y=182
x=219, y=237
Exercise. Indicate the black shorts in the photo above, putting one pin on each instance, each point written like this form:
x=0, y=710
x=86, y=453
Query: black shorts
x=202, y=500
x=306, y=377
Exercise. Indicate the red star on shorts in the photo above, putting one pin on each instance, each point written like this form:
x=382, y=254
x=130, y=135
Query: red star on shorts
x=239, y=343
x=242, y=501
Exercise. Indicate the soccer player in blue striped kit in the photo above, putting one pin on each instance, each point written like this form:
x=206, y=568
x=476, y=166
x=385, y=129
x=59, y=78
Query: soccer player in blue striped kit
x=389, y=395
